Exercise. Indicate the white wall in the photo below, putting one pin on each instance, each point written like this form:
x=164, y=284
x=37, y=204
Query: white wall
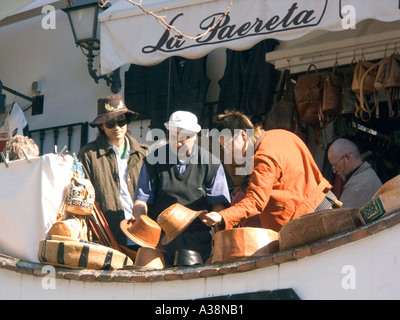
x=30, y=53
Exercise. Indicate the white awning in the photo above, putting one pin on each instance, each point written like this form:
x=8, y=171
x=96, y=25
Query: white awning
x=8, y=7
x=130, y=36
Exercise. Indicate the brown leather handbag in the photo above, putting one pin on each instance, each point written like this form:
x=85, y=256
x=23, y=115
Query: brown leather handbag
x=281, y=115
x=308, y=96
x=332, y=95
x=392, y=81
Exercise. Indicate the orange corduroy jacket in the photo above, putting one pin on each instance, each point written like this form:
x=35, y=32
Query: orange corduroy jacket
x=284, y=184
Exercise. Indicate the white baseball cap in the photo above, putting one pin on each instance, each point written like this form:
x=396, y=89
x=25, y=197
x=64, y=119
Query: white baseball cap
x=183, y=120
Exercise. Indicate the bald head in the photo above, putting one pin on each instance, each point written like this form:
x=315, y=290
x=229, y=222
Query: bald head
x=342, y=146
x=344, y=156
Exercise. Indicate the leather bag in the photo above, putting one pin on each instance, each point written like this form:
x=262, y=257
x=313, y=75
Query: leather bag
x=281, y=115
x=80, y=196
x=363, y=84
x=392, y=81
x=332, y=95
x=308, y=96
x=79, y=254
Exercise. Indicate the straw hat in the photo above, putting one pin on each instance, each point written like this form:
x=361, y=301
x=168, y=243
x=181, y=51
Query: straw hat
x=174, y=220
x=239, y=243
x=149, y=258
x=144, y=231
x=111, y=107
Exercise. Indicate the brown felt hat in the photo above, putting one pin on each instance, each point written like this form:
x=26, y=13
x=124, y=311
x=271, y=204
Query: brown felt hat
x=149, y=258
x=240, y=243
x=174, y=220
x=111, y=107
x=144, y=231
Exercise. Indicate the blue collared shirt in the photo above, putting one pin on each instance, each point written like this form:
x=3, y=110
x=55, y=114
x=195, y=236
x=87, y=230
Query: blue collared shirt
x=216, y=192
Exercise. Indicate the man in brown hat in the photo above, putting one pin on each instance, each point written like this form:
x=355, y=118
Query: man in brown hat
x=112, y=162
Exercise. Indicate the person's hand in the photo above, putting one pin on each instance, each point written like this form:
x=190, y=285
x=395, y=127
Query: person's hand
x=211, y=219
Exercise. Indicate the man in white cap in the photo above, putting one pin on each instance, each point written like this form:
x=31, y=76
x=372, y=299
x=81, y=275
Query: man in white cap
x=190, y=175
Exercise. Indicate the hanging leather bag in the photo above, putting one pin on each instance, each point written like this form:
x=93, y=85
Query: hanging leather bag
x=363, y=85
x=383, y=67
x=308, y=96
x=392, y=81
x=332, y=95
x=281, y=115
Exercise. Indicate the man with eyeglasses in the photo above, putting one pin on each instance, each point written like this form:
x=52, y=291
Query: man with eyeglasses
x=361, y=181
x=185, y=173
x=285, y=182
x=112, y=162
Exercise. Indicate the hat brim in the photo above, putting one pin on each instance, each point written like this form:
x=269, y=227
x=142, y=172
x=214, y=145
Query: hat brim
x=167, y=239
x=103, y=118
x=124, y=225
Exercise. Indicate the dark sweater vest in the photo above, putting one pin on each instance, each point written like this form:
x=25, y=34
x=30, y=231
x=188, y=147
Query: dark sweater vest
x=188, y=189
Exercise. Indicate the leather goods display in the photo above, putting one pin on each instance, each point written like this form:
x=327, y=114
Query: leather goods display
x=80, y=196
x=79, y=254
x=317, y=226
x=240, y=243
x=185, y=257
x=363, y=85
x=308, y=96
x=332, y=94
x=144, y=231
x=281, y=115
x=385, y=201
x=174, y=220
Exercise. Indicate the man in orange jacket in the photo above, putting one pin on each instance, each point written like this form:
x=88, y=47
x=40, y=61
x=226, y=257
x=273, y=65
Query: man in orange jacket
x=285, y=181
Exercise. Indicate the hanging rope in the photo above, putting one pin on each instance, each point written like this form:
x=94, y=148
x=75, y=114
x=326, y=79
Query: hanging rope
x=167, y=26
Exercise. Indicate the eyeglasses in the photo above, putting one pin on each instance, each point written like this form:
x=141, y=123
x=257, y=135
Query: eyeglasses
x=111, y=124
x=227, y=144
x=337, y=162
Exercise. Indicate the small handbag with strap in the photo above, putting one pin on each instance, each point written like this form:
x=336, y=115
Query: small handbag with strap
x=392, y=81
x=332, y=95
x=308, y=96
x=281, y=115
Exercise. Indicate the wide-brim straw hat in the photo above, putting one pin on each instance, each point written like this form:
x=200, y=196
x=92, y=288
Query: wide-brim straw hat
x=111, y=107
x=144, y=231
x=175, y=219
x=240, y=243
